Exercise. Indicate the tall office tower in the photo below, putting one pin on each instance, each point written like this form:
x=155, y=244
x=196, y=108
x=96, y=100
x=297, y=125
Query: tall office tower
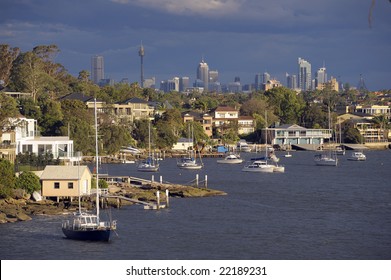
x=258, y=81
x=149, y=82
x=141, y=53
x=291, y=81
x=304, y=78
x=265, y=77
x=203, y=74
x=321, y=77
x=97, y=69
x=237, y=79
x=213, y=76
x=183, y=83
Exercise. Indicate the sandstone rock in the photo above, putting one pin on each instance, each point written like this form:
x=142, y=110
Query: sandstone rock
x=22, y=216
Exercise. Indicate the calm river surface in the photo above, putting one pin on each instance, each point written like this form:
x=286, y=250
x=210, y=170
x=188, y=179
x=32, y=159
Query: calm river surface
x=308, y=212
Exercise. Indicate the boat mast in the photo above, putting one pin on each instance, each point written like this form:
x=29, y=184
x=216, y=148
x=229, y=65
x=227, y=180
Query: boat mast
x=78, y=179
x=266, y=135
x=96, y=161
x=149, y=140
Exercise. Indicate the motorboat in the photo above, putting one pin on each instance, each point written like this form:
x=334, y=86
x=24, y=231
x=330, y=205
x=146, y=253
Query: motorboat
x=288, y=154
x=357, y=156
x=340, y=150
x=131, y=150
x=231, y=159
x=259, y=166
x=242, y=146
x=325, y=160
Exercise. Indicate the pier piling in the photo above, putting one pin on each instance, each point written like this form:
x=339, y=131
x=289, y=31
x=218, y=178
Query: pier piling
x=167, y=198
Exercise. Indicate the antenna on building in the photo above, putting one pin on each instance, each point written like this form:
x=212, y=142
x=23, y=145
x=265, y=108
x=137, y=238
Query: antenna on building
x=141, y=53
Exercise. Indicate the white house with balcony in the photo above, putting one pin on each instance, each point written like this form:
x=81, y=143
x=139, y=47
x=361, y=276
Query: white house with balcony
x=24, y=137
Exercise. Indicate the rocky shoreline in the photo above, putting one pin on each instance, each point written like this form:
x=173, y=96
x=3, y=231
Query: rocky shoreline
x=22, y=208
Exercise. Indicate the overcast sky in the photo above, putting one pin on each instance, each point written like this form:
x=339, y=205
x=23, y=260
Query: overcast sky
x=235, y=37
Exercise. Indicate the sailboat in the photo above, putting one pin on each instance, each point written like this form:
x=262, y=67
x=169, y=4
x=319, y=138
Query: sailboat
x=149, y=164
x=89, y=226
x=329, y=159
x=190, y=162
x=340, y=149
x=260, y=165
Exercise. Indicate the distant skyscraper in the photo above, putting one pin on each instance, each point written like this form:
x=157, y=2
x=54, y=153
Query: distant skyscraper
x=304, y=77
x=258, y=81
x=291, y=81
x=213, y=76
x=97, y=69
x=203, y=74
x=184, y=83
x=265, y=77
x=149, y=82
x=237, y=79
x=321, y=77
x=141, y=53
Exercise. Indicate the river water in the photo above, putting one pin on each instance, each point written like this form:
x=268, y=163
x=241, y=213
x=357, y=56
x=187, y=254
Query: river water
x=307, y=213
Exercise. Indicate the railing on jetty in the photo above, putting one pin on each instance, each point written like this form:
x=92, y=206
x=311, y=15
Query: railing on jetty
x=140, y=181
x=147, y=205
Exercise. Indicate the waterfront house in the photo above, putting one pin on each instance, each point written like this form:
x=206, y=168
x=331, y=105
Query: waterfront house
x=293, y=134
x=21, y=136
x=246, y=125
x=60, y=181
x=224, y=117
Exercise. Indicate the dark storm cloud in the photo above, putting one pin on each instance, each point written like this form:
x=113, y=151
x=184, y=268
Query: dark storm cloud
x=236, y=37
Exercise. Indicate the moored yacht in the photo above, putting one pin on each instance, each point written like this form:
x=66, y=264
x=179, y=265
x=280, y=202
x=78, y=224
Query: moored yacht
x=357, y=156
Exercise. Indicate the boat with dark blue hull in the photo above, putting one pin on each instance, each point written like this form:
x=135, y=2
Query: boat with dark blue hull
x=87, y=226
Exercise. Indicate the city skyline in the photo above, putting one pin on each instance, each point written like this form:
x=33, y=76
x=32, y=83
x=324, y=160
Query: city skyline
x=238, y=38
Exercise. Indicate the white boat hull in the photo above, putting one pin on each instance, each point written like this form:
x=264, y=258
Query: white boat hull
x=357, y=156
x=279, y=169
x=190, y=166
x=230, y=161
x=259, y=170
x=148, y=168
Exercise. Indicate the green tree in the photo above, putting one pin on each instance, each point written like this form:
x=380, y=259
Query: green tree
x=114, y=137
x=84, y=76
x=28, y=74
x=165, y=135
x=7, y=177
x=7, y=57
x=78, y=124
x=314, y=117
x=8, y=109
x=287, y=105
x=174, y=119
x=140, y=133
x=29, y=108
x=29, y=182
x=352, y=135
x=51, y=119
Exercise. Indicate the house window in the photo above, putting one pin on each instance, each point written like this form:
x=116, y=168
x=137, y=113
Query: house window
x=70, y=185
x=56, y=185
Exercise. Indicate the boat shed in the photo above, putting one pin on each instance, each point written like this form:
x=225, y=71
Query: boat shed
x=293, y=134
x=65, y=181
